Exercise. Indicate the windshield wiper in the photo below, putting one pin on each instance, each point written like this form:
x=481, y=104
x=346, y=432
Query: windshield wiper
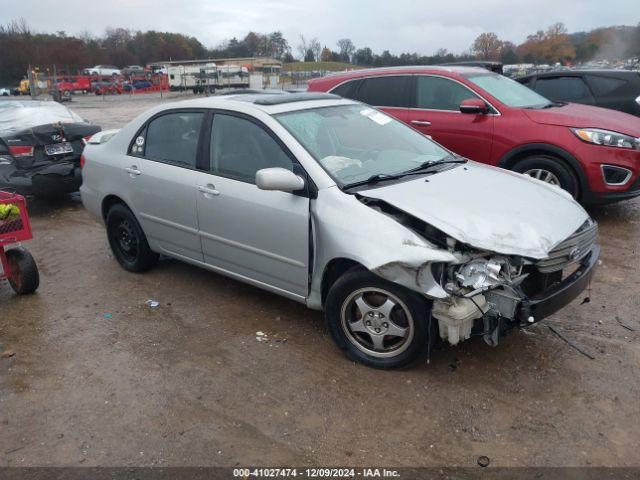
x=419, y=170
x=432, y=163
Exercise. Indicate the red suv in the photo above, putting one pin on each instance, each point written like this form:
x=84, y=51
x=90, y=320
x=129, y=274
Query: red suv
x=591, y=152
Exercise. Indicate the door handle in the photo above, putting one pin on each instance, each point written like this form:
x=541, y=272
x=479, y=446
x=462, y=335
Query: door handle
x=209, y=189
x=423, y=123
x=133, y=170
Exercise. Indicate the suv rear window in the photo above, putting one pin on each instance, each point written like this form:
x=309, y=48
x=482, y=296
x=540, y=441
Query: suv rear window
x=604, y=85
x=570, y=89
x=387, y=91
x=347, y=89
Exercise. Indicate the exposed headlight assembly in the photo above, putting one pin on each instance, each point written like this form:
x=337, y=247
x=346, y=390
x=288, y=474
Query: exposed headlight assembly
x=606, y=138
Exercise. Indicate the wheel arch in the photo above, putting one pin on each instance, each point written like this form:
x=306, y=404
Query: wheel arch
x=513, y=156
x=333, y=270
x=108, y=202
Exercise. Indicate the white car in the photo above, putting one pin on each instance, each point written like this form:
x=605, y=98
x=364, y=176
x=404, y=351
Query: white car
x=334, y=204
x=5, y=92
x=104, y=71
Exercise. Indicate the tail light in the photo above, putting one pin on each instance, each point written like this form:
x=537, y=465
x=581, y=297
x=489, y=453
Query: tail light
x=82, y=161
x=21, y=150
x=86, y=139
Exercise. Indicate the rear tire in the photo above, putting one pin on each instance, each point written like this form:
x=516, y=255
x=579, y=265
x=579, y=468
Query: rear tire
x=377, y=322
x=128, y=241
x=551, y=170
x=24, y=277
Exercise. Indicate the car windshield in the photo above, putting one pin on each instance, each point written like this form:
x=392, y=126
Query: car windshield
x=355, y=142
x=508, y=91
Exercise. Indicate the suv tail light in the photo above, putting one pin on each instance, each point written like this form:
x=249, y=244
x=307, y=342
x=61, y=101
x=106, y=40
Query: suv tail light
x=21, y=150
x=82, y=161
x=86, y=139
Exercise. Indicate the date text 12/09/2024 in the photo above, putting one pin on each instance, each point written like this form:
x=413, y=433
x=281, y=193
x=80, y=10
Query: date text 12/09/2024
x=316, y=472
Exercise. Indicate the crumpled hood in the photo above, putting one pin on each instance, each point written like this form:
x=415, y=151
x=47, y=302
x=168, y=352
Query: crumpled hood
x=489, y=208
x=577, y=115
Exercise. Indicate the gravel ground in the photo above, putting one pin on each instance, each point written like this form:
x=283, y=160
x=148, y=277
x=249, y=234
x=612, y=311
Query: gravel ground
x=100, y=378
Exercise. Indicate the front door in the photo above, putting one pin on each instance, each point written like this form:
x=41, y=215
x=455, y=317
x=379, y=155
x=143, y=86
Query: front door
x=436, y=112
x=260, y=236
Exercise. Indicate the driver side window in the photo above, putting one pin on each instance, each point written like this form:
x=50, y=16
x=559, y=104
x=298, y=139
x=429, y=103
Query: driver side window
x=239, y=148
x=437, y=93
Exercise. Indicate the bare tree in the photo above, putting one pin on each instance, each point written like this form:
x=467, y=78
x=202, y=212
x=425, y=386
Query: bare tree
x=302, y=47
x=346, y=49
x=316, y=48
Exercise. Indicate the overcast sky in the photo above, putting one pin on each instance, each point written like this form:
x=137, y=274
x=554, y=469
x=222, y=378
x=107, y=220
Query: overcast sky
x=420, y=26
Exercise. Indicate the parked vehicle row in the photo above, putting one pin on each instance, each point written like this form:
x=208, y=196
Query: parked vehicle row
x=342, y=207
x=592, y=153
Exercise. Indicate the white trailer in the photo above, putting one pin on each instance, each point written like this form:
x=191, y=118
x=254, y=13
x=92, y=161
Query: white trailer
x=198, y=77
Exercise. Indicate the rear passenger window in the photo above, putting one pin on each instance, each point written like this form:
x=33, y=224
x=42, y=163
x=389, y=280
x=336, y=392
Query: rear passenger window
x=239, y=148
x=388, y=91
x=568, y=89
x=173, y=138
x=437, y=93
x=602, y=86
x=346, y=90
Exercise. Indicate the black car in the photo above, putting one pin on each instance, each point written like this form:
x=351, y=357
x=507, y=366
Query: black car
x=615, y=89
x=40, y=148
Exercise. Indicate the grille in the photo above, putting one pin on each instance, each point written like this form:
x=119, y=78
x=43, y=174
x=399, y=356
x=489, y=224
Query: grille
x=572, y=250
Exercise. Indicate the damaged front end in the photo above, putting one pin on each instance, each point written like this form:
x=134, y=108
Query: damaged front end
x=492, y=293
x=479, y=292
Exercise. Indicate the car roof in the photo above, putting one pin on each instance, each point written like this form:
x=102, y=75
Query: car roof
x=586, y=71
x=409, y=69
x=270, y=103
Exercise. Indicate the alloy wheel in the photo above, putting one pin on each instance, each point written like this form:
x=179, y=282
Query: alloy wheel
x=544, y=176
x=377, y=322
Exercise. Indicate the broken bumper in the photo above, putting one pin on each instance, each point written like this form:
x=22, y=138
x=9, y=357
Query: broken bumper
x=561, y=294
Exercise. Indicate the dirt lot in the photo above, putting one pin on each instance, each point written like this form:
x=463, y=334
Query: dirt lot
x=100, y=378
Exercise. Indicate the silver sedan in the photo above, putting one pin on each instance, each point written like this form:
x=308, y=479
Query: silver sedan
x=336, y=205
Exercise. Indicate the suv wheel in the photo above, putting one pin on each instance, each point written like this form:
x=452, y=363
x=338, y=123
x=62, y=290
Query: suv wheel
x=127, y=240
x=376, y=322
x=549, y=170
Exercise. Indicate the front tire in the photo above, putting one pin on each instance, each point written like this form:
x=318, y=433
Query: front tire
x=377, y=322
x=23, y=271
x=127, y=240
x=550, y=170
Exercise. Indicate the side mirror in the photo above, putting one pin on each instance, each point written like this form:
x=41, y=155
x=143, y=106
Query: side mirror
x=278, y=179
x=474, y=106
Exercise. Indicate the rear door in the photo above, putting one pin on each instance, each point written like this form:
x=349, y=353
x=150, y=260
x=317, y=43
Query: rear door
x=259, y=236
x=390, y=93
x=161, y=178
x=436, y=111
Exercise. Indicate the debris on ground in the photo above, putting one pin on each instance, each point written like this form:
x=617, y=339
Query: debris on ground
x=152, y=303
x=108, y=316
x=570, y=343
x=8, y=353
x=483, y=461
x=261, y=337
x=623, y=325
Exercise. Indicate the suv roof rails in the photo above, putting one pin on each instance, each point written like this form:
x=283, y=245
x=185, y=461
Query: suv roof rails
x=294, y=97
